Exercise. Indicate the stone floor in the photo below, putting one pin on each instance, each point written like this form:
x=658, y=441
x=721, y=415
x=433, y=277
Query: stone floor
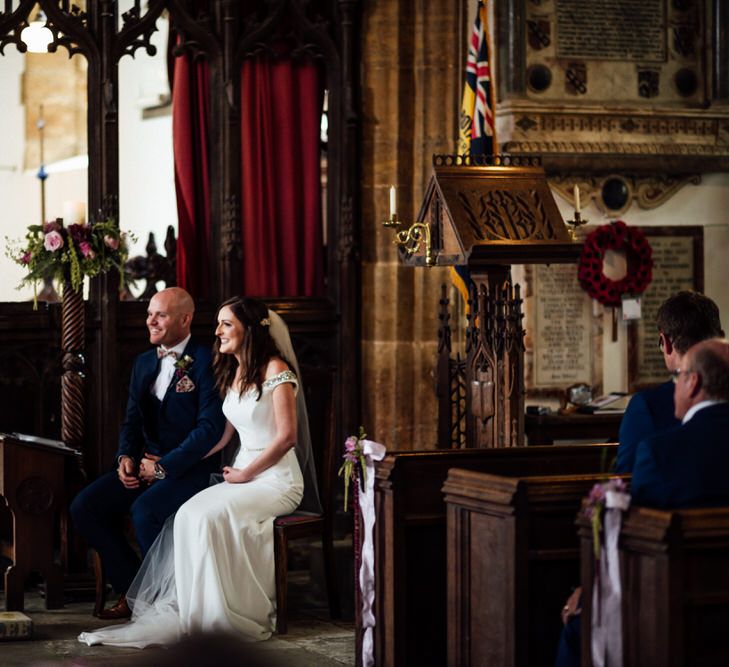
x=312, y=640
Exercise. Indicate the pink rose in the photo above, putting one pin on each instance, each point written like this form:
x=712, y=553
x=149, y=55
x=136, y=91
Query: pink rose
x=53, y=241
x=86, y=250
x=111, y=242
x=350, y=443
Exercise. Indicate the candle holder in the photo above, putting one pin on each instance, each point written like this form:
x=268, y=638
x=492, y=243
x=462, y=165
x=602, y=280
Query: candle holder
x=575, y=223
x=410, y=239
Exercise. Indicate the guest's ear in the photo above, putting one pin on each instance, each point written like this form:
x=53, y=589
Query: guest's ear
x=694, y=383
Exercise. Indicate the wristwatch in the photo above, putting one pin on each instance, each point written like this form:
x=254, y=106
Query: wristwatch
x=159, y=471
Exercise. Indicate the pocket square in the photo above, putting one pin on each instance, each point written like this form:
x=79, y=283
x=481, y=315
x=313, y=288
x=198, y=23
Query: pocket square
x=185, y=385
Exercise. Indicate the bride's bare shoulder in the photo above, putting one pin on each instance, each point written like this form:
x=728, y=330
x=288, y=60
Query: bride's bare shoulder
x=275, y=366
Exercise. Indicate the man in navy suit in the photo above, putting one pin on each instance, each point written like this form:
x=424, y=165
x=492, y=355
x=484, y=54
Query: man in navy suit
x=683, y=320
x=173, y=418
x=687, y=466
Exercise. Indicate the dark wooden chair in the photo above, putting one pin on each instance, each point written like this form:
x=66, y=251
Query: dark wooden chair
x=319, y=388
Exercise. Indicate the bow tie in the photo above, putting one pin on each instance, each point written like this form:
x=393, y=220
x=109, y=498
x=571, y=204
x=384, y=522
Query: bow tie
x=161, y=353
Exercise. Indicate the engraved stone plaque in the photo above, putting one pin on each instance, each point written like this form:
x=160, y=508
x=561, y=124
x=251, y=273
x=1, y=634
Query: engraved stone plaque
x=677, y=265
x=612, y=29
x=560, y=330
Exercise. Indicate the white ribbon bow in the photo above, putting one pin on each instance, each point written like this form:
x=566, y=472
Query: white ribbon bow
x=373, y=451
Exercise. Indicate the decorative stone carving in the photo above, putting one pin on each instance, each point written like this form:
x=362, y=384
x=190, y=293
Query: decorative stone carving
x=647, y=191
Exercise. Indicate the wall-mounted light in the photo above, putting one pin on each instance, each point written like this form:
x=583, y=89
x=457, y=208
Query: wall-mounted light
x=36, y=36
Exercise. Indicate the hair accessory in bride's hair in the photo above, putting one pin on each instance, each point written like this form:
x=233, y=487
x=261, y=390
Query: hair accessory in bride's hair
x=265, y=322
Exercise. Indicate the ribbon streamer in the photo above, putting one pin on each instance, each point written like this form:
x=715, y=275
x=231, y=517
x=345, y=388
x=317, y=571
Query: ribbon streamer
x=373, y=451
x=607, y=632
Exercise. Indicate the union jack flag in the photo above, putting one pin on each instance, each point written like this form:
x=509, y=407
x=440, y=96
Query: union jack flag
x=478, y=129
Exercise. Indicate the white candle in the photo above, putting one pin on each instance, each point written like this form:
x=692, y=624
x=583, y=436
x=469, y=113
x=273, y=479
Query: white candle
x=74, y=212
x=576, y=191
x=393, y=202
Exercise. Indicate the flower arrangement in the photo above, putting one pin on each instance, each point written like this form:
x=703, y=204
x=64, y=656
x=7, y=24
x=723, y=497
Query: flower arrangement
x=74, y=252
x=593, y=507
x=615, y=236
x=353, y=458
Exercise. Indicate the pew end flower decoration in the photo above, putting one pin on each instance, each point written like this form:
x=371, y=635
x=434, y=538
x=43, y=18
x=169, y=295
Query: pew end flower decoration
x=354, y=461
x=71, y=252
x=593, y=506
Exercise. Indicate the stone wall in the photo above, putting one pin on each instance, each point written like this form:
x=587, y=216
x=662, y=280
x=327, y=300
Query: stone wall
x=413, y=54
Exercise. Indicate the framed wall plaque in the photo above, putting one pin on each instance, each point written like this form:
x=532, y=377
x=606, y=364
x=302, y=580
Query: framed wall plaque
x=563, y=332
x=678, y=264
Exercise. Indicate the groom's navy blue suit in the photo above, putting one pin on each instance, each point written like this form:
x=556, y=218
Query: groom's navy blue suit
x=180, y=429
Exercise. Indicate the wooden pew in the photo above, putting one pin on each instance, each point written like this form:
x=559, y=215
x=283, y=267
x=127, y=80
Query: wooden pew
x=675, y=579
x=410, y=537
x=513, y=553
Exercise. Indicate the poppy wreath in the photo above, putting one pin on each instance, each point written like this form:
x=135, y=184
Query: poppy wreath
x=638, y=252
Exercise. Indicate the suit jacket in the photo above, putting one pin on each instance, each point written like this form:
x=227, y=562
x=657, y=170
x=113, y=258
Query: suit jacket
x=649, y=412
x=687, y=466
x=182, y=427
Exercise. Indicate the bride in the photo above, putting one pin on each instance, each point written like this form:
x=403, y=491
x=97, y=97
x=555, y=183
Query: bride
x=212, y=567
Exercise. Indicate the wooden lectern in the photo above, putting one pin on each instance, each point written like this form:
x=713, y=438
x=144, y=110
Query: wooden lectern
x=485, y=214
x=32, y=486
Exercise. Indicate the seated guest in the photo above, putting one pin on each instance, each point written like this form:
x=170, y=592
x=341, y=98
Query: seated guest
x=687, y=466
x=683, y=320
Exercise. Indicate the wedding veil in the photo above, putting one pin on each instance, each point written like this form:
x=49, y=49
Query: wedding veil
x=310, y=502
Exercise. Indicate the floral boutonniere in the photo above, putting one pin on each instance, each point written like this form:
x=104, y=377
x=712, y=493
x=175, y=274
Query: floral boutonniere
x=182, y=365
x=353, y=458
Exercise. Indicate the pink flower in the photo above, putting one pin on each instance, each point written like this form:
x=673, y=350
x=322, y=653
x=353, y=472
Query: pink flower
x=53, y=241
x=52, y=226
x=111, y=242
x=86, y=250
x=26, y=257
x=350, y=444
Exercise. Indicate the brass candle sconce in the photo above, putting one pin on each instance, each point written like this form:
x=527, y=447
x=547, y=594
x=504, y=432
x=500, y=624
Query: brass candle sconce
x=578, y=220
x=409, y=238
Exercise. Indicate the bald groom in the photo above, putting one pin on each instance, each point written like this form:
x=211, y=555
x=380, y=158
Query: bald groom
x=173, y=418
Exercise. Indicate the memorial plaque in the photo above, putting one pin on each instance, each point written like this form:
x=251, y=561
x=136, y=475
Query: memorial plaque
x=677, y=265
x=561, y=330
x=612, y=29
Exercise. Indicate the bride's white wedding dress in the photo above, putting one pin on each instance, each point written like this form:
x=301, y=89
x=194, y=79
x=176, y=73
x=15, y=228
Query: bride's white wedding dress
x=218, y=573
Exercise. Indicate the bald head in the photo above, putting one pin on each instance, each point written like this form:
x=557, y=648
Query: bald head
x=710, y=359
x=169, y=316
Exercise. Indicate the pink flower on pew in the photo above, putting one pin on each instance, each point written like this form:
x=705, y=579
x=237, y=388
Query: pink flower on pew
x=111, y=242
x=354, y=461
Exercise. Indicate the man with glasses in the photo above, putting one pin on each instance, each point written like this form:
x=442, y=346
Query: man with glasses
x=687, y=466
x=684, y=319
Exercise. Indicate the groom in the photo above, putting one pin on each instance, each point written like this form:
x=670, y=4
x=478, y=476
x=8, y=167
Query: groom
x=174, y=417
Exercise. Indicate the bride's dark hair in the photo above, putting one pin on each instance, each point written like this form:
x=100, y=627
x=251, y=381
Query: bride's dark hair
x=258, y=347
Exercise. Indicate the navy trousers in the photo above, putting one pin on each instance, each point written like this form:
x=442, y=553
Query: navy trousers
x=97, y=512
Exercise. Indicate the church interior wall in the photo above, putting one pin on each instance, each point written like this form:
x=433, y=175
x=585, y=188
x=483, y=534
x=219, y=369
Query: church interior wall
x=412, y=76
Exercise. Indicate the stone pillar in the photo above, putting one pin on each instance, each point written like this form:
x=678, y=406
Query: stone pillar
x=411, y=98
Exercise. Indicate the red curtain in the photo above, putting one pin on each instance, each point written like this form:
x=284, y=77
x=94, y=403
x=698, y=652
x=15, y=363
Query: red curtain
x=190, y=116
x=281, y=106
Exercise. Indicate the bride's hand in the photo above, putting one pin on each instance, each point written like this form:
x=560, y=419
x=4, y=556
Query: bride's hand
x=235, y=475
